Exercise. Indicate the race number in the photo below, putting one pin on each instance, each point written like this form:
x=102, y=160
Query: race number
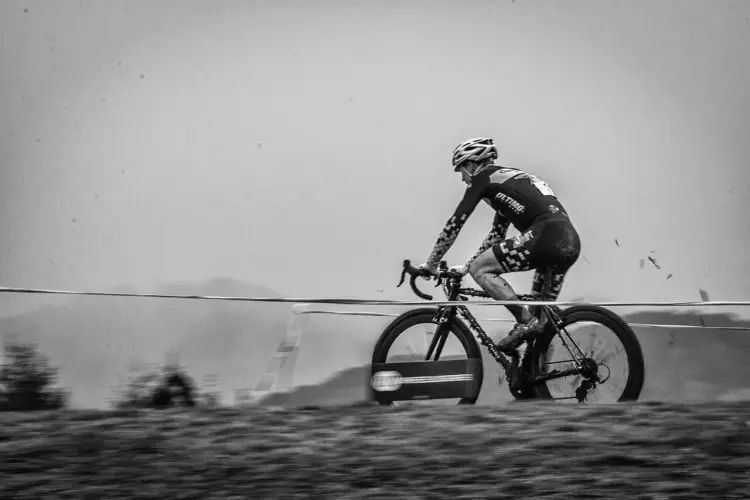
x=542, y=186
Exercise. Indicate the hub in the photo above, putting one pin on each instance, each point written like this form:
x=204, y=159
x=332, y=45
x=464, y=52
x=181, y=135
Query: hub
x=589, y=368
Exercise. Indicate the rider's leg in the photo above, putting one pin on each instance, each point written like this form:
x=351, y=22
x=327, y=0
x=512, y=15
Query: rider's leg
x=486, y=270
x=537, y=283
x=546, y=287
x=553, y=284
x=552, y=250
x=568, y=249
x=541, y=276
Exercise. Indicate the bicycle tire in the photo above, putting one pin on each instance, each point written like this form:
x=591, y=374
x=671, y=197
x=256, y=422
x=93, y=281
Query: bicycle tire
x=425, y=316
x=615, y=323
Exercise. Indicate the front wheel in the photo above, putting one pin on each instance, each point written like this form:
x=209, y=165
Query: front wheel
x=408, y=338
x=583, y=339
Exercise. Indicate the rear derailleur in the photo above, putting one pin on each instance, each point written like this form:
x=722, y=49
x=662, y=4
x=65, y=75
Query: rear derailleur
x=589, y=369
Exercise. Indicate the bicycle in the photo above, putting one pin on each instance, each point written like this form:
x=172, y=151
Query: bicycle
x=527, y=375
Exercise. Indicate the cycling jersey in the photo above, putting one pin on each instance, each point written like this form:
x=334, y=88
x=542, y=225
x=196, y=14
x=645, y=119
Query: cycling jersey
x=516, y=195
x=518, y=198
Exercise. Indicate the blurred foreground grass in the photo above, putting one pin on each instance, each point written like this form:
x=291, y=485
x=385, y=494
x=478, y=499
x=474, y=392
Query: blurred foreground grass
x=525, y=450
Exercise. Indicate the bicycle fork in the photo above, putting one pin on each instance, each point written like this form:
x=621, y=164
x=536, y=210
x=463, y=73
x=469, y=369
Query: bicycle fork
x=440, y=336
x=443, y=318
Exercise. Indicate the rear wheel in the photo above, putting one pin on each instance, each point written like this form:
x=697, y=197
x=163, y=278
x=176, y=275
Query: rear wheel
x=408, y=339
x=599, y=340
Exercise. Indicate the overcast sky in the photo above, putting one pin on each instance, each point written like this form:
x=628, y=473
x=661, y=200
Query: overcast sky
x=306, y=146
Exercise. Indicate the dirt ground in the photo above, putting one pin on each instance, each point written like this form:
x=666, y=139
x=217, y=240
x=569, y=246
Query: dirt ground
x=526, y=450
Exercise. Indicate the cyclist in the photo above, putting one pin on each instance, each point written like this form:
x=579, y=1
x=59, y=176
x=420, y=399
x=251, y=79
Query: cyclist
x=548, y=243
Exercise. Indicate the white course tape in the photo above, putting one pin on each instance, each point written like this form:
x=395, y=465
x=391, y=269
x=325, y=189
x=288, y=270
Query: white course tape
x=376, y=302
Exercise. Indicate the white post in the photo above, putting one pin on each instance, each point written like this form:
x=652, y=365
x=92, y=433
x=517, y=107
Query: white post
x=279, y=373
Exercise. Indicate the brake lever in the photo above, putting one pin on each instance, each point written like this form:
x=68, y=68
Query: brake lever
x=403, y=276
x=438, y=281
x=439, y=278
x=403, y=272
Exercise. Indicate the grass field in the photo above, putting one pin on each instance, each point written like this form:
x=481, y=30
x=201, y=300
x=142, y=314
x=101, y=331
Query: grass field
x=524, y=450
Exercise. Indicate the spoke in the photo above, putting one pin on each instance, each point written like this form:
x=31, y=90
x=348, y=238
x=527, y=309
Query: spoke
x=559, y=362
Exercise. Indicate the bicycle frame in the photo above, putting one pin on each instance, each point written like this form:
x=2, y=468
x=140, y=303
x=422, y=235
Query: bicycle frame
x=451, y=285
x=445, y=315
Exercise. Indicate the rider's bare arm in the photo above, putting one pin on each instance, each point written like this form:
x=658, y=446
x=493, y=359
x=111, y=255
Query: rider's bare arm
x=472, y=196
x=497, y=234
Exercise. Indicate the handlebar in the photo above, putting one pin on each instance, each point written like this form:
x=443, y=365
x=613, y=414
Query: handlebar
x=415, y=272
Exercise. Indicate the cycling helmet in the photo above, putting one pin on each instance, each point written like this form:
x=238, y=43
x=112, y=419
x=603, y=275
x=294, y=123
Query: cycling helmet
x=477, y=149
